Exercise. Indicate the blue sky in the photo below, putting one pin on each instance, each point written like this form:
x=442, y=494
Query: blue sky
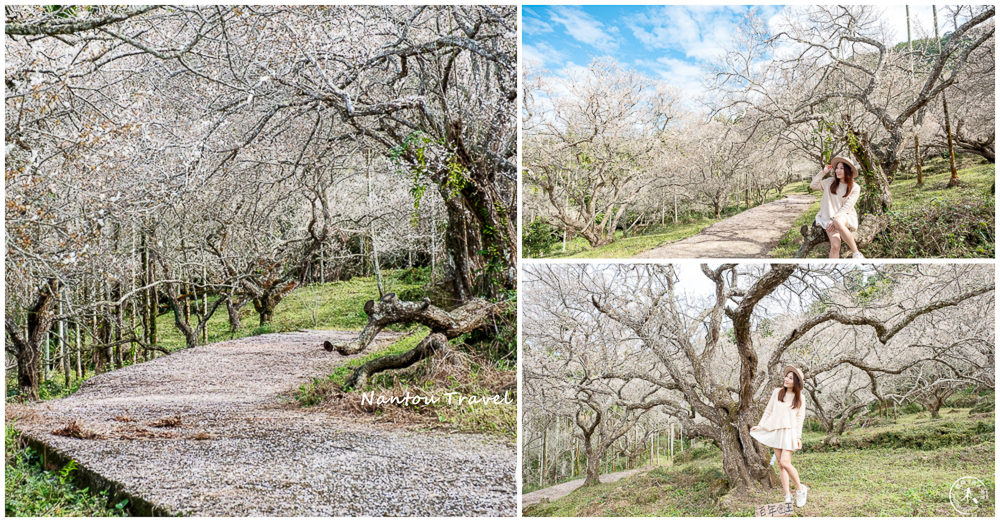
x=674, y=43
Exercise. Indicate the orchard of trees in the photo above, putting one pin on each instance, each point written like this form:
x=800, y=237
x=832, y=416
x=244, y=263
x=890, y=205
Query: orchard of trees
x=194, y=160
x=610, y=150
x=616, y=354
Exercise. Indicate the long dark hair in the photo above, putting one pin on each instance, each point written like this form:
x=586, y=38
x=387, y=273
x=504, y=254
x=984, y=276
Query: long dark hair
x=849, y=175
x=796, y=386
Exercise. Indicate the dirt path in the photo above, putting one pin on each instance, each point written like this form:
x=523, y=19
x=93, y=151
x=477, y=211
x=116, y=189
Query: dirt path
x=561, y=490
x=748, y=234
x=241, y=448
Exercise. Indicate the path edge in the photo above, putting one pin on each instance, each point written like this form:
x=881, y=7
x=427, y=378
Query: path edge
x=764, y=255
x=84, y=477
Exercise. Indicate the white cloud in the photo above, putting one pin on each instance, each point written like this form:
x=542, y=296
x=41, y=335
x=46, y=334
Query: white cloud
x=532, y=23
x=685, y=76
x=700, y=33
x=540, y=54
x=583, y=27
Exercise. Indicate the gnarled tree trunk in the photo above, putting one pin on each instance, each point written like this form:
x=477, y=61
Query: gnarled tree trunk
x=742, y=459
x=190, y=332
x=233, y=309
x=875, y=171
x=593, y=463
x=474, y=314
x=28, y=348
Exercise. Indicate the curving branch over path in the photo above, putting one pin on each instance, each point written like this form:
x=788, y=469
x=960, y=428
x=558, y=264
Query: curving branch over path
x=444, y=325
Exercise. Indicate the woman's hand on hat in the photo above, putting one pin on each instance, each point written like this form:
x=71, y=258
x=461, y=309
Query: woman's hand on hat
x=827, y=168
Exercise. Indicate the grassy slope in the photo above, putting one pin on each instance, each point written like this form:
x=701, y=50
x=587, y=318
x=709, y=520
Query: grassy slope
x=873, y=480
x=469, y=380
x=630, y=246
x=977, y=180
x=332, y=306
x=655, y=236
x=30, y=491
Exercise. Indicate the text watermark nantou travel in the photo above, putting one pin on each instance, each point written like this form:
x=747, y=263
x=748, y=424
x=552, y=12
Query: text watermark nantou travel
x=449, y=397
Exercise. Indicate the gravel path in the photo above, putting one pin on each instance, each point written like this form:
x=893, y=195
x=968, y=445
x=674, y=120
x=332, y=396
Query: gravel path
x=561, y=490
x=243, y=448
x=750, y=234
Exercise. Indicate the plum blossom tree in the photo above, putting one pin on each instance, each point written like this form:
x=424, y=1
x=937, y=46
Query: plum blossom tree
x=834, y=66
x=168, y=155
x=713, y=350
x=590, y=144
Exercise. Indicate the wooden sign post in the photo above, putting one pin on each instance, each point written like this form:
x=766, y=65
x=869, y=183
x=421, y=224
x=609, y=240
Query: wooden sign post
x=781, y=509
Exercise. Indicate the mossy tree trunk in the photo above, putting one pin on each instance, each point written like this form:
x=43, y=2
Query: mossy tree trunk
x=28, y=342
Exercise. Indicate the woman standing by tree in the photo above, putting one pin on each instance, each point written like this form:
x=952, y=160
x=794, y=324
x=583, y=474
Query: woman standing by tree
x=781, y=428
x=836, y=211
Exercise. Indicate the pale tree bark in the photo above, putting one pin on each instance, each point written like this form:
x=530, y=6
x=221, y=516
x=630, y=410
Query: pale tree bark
x=444, y=326
x=842, y=60
x=27, y=344
x=593, y=151
x=706, y=357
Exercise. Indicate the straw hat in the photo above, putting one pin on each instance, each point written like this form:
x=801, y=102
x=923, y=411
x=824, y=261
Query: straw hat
x=797, y=371
x=839, y=159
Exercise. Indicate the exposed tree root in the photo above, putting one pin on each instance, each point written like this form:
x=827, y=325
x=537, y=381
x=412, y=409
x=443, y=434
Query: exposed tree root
x=814, y=235
x=428, y=346
x=474, y=314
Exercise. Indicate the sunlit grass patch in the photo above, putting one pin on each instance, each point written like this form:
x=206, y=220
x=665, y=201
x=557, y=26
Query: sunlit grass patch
x=900, y=467
x=928, y=220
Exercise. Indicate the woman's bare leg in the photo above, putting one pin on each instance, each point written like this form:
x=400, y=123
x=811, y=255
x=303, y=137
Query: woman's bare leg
x=834, y=244
x=783, y=475
x=786, y=464
x=845, y=233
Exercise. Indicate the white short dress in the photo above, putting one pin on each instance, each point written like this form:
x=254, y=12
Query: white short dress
x=839, y=205
x=781, y=426
x=781, y=438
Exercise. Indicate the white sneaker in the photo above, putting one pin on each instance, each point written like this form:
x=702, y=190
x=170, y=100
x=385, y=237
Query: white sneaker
x=800, y=495
x=858, y=255
x=788, y=499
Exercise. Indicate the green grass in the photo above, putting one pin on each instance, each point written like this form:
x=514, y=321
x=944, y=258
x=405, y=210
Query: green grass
x=630, y=246
x=331, y=306
x=915, y=431
x=789, y=243
x=915, y=209
x=799, y=187
x=685, y=490
x=468, y=380
x=659, y=235
x=319, y=389
x=52, y=388
x=895, y=471
x=30, y=491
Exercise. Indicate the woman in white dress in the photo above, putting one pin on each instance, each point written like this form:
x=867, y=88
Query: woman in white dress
x=836, y=208
x=781, y=428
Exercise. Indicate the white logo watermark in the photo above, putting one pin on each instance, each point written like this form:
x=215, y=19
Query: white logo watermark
x=968, y=494
x=450, y=397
